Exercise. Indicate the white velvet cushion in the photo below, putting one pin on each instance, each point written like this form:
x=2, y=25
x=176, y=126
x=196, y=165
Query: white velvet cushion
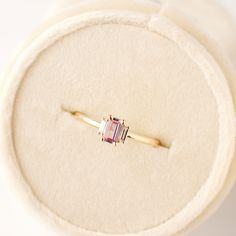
x=140, y=67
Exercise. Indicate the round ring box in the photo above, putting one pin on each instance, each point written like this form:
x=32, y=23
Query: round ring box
x=161, y=69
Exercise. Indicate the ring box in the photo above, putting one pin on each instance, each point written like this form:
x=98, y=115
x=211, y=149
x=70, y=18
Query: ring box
x=168, y=68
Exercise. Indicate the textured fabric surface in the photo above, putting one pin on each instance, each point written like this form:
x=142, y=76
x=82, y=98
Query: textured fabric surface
x=132, y=180
x=121, y=67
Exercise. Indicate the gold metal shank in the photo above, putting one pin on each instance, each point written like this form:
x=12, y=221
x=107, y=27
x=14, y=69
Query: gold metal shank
x=143, y=139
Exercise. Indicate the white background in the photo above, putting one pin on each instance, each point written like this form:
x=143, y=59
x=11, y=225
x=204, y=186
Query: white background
x=17, y=19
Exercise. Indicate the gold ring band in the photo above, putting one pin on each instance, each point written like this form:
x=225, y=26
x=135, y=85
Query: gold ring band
x=114, y=130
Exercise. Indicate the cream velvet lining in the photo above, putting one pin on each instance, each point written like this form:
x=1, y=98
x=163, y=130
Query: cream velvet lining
x=213, y=76
x=219, y=44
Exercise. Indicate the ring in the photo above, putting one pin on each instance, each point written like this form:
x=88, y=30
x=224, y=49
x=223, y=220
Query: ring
x=114, y=130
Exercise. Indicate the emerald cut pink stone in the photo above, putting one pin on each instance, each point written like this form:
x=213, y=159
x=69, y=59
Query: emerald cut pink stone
x=113, y=130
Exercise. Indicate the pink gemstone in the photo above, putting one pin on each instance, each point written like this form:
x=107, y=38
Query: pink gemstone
x=113, y=130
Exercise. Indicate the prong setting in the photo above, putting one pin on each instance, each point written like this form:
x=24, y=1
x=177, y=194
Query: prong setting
x=113, y=130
